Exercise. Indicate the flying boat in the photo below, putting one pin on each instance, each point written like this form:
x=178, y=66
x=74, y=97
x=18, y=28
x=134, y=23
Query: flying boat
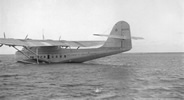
x=62, y=51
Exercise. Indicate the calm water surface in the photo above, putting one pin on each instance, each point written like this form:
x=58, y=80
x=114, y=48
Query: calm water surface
x=140, y=76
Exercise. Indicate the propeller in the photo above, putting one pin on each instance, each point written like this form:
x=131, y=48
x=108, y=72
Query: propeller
x=43, y=37
x=26, y=36
x=4, y=35
x=59, y=38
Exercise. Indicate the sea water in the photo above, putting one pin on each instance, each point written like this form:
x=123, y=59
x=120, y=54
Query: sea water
x=126, y=76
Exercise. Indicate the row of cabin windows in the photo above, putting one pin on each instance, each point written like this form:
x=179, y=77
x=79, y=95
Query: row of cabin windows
x=49, y=56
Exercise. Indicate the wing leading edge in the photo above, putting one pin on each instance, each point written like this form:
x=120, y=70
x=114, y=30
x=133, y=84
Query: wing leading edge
x=43, y=43
x=30, y=43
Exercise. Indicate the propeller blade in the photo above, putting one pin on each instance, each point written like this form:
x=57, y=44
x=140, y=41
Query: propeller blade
x=26, y=36
x=43, y=37
x=4, y=35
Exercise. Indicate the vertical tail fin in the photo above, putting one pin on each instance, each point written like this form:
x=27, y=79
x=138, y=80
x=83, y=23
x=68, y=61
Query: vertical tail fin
x=119, y=37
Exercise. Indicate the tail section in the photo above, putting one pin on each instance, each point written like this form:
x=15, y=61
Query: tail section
x=119, y=37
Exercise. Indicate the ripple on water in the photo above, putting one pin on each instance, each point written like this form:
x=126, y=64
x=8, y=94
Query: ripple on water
x=127, y=76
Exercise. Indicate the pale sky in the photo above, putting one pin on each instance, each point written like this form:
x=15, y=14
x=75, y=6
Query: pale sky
x=160, y=22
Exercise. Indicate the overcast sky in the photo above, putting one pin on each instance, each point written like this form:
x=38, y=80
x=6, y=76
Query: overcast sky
x=160, y=22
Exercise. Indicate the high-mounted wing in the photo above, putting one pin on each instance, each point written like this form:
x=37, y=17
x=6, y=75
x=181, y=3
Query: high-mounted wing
x=12, y=42
x=42, y=43
x=30, y=43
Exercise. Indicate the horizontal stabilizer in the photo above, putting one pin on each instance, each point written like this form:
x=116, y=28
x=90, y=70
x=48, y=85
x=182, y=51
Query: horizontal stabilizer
x=137, y=38
x=119, y=37
x=111, y=36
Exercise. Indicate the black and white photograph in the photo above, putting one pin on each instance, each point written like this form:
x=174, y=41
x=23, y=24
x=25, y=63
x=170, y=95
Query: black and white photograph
x=91, y=49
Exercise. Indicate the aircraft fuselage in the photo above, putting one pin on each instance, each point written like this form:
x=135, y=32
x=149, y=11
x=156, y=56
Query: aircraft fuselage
x=59, y=55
